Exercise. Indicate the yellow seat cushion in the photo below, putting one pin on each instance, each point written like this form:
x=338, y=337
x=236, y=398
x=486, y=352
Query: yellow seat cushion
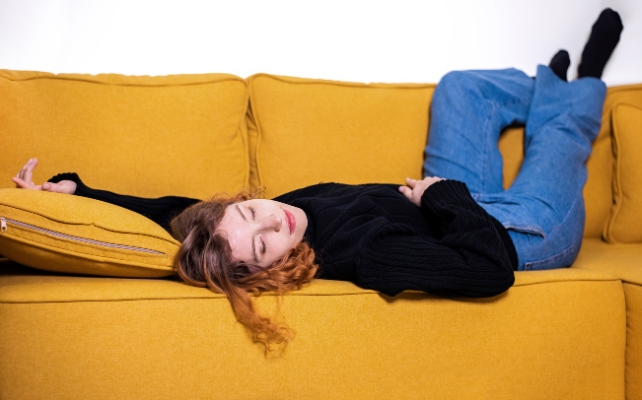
x=72, y=234
x=625, y=223
x=623, y=261
x=181, y=135
x=308, y=131
x=101, y=335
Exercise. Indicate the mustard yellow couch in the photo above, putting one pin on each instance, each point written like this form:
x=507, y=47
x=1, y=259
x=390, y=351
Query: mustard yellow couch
x=574, y=333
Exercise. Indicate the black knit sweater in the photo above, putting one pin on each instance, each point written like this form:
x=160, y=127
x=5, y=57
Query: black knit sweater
x=373, y=236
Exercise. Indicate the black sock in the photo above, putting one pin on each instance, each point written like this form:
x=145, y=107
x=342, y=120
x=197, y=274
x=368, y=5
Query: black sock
x=605, y=35
x=559, y=64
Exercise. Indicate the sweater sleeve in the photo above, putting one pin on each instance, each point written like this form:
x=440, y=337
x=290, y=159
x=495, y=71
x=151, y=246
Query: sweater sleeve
x=465, y=257
x=160, y=210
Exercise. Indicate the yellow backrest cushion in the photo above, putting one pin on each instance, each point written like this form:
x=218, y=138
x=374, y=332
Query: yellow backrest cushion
x=308, y=131
x=147, y=136
x=598, y=193
x=73, y=234
x=625, y=224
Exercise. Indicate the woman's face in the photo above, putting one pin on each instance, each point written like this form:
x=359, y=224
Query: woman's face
x=261, y=231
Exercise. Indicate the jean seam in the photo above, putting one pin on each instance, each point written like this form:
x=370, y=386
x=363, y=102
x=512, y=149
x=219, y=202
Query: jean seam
x=486, y=144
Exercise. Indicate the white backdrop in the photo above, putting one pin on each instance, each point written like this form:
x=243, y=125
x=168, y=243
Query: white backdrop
x=364, y=41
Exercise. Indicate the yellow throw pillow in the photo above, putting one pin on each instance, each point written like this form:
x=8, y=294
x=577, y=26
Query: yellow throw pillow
x=306, y=131
x=73, y=234
x=625, y=223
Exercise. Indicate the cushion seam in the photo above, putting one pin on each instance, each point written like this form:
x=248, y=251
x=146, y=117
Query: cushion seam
x=94, y=257
x=617, y=192
x=87, y=80
x=286, y=79
x=69, y=224
x=293, y=294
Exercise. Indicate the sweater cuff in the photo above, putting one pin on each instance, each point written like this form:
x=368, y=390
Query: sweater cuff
x=448, y=191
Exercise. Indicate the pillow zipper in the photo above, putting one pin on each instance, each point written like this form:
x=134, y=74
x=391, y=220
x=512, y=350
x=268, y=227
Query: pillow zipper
x=3, y=228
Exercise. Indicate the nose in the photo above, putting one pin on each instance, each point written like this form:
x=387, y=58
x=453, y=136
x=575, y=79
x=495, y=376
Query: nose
x=271, y=223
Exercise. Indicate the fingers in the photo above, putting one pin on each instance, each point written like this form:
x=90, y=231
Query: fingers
x=429, y=180
x=29, y=174
x=21, y=184
x=406, y=191
x=411, y=182
x=26, y=173
x=415, y=189
x=47, y=186
x=23, y=178
x=411, y=194
x=420, y=187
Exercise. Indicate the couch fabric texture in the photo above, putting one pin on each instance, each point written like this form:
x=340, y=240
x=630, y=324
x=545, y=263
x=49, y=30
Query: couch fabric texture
x=573, y=333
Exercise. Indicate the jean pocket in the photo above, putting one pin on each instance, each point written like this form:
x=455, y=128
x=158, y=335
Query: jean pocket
x=559, y=260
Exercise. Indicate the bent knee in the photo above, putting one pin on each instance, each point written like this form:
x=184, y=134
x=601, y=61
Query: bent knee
x=454, y=79
x=483, y=81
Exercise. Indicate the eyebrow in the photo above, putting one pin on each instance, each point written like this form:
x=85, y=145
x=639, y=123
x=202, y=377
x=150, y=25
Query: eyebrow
x=240, y=212
x=256, y=258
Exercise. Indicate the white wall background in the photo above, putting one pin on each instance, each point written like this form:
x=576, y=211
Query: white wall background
x=364, y=41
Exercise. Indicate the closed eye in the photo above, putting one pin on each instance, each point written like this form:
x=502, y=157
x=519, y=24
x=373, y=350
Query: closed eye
x=253, y=213
x=263, y=249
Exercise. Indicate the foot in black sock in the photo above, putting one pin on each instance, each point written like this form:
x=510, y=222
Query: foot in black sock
x=605, y=35
x=559, y=64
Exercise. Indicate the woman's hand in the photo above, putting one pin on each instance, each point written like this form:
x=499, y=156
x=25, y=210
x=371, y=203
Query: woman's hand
x=414, y=189
x=23, y=180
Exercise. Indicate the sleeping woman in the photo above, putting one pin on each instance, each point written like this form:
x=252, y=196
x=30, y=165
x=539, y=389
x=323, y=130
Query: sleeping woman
x=455, y=232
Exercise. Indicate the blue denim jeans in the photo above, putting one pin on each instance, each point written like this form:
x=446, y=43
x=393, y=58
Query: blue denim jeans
x=543, y=210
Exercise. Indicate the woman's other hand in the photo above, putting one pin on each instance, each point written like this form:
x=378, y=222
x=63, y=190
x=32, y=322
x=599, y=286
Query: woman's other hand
x=414, y=189
x=23, y=180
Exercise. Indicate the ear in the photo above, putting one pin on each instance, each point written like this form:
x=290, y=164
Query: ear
x=254, y=268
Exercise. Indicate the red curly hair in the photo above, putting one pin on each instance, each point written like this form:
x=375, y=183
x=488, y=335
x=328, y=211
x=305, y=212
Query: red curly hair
x=205, y=260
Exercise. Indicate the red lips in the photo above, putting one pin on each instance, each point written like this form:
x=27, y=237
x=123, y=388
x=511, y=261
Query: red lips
x=291, y=221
